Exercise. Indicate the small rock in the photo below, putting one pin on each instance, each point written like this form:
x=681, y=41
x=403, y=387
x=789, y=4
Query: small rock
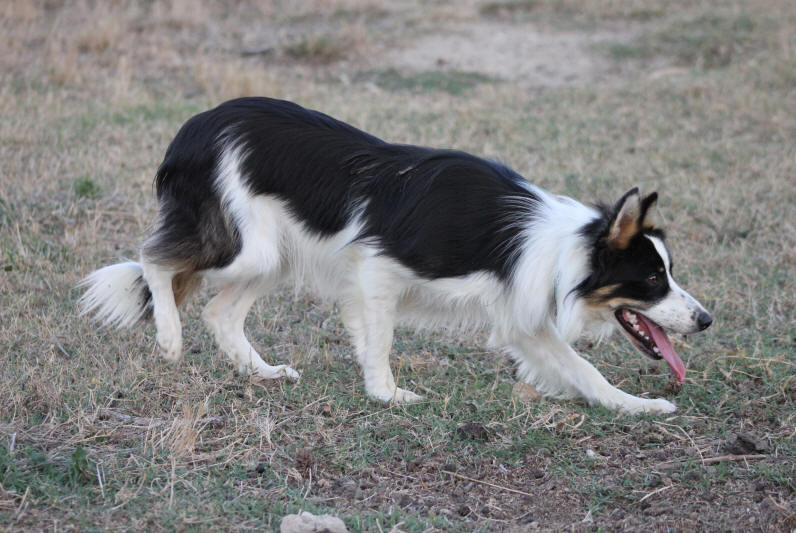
x=752, y=442
x=309, y=523
x=525, y=393
x=473, y=430
x=745, y=443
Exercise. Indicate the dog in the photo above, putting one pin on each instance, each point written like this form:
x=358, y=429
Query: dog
x=258, y=191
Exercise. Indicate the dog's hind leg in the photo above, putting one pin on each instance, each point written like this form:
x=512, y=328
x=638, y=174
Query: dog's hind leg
x=225, y=315
x=167, y=319
x=553, y=366
x=369, y=316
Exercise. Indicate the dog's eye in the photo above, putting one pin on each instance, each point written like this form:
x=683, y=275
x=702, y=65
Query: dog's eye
x=653, y=279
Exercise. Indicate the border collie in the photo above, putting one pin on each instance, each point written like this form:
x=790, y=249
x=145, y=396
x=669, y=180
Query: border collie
x=259, y=191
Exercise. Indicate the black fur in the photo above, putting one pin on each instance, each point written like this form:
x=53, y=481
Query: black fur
x=144, y=297
x=192, y=232
x=440, y=213
x=628, y=268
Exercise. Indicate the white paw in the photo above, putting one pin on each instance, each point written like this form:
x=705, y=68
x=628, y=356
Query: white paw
x=657, y=406
x=399, y=395
x=169, y=337
x=269, y=372
x=170, y=349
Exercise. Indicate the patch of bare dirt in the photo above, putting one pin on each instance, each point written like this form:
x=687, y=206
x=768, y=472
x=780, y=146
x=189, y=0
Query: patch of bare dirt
x=520, y=53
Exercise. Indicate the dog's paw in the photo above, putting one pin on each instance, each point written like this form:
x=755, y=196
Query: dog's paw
x=398, y=396
x=406, y=396
x=661, y=406
x=169, y=338
x=269, y=372
x=653, y=407
x=170, y=349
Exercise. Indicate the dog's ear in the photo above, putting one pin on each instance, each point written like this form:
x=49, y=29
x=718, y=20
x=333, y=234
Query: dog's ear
x=649, y=219
x=625, y=222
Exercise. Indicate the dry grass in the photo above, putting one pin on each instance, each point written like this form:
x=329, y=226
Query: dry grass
x=96, y=432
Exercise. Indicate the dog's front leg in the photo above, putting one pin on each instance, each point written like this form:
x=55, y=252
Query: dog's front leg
x=552, y=365
x=369, y=316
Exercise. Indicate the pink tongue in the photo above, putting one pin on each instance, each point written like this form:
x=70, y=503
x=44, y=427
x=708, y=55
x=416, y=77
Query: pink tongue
x=665, y=346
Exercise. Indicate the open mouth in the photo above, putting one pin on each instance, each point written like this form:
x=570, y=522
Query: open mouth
x=651, y=340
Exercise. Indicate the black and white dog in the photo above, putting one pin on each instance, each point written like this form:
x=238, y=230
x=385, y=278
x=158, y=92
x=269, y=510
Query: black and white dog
x=259, y=191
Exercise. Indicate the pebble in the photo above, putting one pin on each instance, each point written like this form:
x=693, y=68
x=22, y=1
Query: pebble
x=525, y=393
x=309, y=523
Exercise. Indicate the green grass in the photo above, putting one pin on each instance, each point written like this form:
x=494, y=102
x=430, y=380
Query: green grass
x=318, y=49
x=84, y=187
x=452, y=82
x=509, y=8
x=710, y=40
x=98, y=433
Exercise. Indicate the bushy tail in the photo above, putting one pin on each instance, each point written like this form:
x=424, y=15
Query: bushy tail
x=117, y=295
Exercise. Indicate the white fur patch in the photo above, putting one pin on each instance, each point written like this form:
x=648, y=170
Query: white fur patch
x=114, y=295
x=678, y=311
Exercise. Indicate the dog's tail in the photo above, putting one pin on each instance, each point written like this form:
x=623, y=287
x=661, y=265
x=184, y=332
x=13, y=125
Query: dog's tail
x=117, y=295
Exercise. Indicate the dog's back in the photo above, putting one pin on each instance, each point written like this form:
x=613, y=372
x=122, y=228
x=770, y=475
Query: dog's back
x=439, y=212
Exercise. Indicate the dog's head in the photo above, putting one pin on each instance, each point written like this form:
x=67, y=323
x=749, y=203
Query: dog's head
x=631, y=280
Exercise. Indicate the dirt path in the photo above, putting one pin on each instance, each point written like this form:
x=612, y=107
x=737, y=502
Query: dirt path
x=520, y=53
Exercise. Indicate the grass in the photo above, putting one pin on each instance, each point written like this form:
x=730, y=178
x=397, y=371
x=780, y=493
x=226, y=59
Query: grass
x=318, y=49
x=508, y=9
x=712, y=40
x=98, y=433
x=452, y=82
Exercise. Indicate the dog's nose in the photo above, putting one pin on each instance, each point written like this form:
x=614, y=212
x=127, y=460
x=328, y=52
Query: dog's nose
x=704, y=320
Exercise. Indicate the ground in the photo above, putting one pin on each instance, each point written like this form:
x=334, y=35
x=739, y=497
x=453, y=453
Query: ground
x=694, y=99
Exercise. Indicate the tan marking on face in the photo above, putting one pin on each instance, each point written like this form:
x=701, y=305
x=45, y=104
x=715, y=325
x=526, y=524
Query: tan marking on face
x=602, y=293
x=616, y=303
